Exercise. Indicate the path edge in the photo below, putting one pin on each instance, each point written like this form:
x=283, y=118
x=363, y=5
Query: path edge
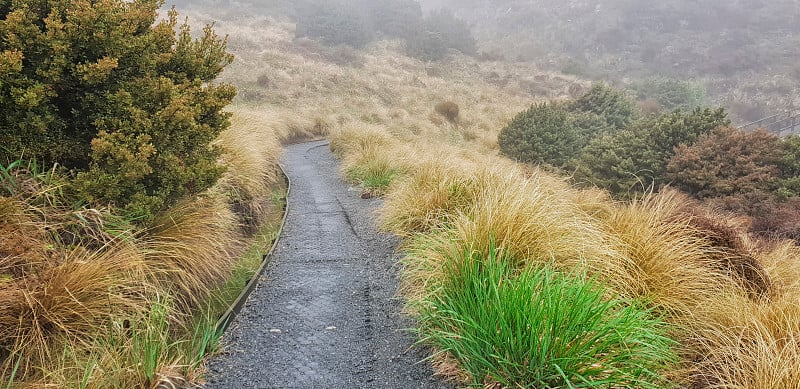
x=234, y=309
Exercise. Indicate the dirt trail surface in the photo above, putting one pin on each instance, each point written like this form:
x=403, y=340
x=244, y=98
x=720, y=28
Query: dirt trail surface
x=324, y=313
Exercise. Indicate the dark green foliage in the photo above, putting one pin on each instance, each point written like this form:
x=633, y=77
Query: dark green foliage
x=358, y=22
x=617, y=162
x=611, y=104
x=668, y=131
x=427, y=45
x=672, y=94
x=455, y=33
x=396, y=18
x=544, y=134
x=789, y=182
x=636, y=158
x=441, y=31
x=334, y=23
x=536, y=328
x=128, y=106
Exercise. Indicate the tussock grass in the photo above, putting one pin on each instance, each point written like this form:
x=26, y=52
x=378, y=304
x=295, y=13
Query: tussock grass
x=250, y=147
x=427, y=198
x=192, y=248
x=663, y=258
x=367, y=161
x=747, y=344
x=68, y=301
x=537, y=328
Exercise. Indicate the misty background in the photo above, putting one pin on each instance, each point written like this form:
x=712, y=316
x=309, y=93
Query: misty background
x=740, y=54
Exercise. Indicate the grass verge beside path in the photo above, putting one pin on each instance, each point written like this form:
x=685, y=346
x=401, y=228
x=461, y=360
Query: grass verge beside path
x=88, y=300
x=720, y=301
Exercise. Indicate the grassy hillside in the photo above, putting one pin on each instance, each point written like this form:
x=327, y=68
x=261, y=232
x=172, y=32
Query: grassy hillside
x=657, y=291
x=702, y=303
x=741, y=51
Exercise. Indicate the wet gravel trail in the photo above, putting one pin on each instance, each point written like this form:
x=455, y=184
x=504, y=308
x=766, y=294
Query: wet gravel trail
x=323, y=314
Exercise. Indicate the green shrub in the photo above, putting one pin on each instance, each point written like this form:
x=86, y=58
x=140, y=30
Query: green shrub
x=635, y=159
x=395, y=18
x=672, y=94
x=727, y=162
x=455, y=33
x=789, y=183
x=545, y=133
x=340, y=22
x=616, y=162
x=441, y=31
x=426, y=45
x=127, y=105
x=448, y=109
x=536, y=328
x=611, y=104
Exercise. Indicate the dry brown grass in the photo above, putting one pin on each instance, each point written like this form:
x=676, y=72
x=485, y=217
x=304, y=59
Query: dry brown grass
x=69, y=301
x=192, y=248
x=664, y=259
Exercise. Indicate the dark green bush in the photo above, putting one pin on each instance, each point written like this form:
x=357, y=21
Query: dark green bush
x=427, y=45
x=545, y=133
x=789, y=183
x=454, y=31
x=128, y=106
x=635, y=158
x=672, y=94
x=440, y=32
x=611, y=104
x=395, y=18
x=340, y=22
x=617, y=161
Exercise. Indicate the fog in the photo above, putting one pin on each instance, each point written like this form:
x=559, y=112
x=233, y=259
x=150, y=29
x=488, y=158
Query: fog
x=743, y=53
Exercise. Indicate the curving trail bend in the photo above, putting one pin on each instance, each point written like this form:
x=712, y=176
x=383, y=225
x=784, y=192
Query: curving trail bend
x=323, y=314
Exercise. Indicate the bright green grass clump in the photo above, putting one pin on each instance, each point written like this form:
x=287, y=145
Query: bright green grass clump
x=375, y=177
x=536, y=328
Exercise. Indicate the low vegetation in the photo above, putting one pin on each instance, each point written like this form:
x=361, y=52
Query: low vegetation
x=714, y=297
x=677, y=291
x=537, y=328
x=126, y=196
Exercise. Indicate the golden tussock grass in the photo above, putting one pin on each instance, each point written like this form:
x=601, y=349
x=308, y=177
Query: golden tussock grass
x=251, y=150
x=427, y=198
x=68, y=301
x=748, y=344
x=191, y=248
x=664, y=259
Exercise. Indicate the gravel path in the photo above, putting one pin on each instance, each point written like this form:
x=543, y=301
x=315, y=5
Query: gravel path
x=324, y=314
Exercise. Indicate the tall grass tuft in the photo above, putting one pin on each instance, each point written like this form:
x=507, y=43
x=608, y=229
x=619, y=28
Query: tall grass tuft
x=367, y=161
x=664, y=258
x=191, y=249
x=428, y=197
x=536, y=328
x=68, y=301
